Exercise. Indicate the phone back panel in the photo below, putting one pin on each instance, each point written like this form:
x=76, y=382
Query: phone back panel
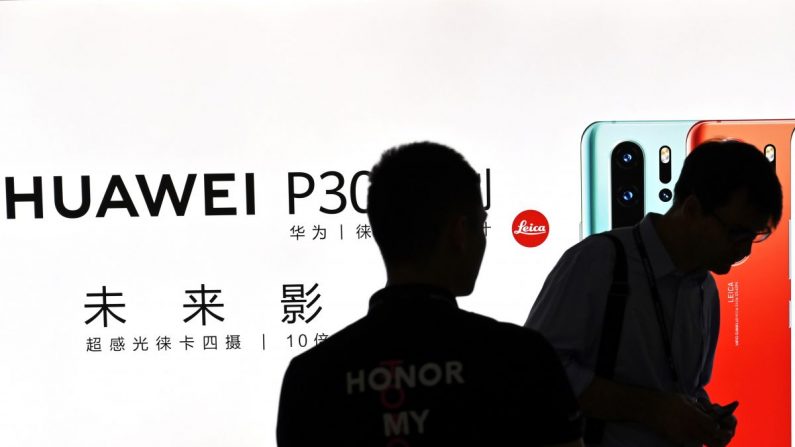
x=598, y=142
x=752, y=362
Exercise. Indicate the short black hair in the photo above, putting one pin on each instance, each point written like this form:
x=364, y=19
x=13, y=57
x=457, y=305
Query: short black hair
x=414, y=189
x=716, y=169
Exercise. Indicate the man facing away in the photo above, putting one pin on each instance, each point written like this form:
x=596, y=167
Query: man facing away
x=417, y=370
x=727, y=197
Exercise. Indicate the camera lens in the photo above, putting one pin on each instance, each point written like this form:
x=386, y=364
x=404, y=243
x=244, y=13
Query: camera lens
x=628, y=196
x=666, y=195
x=627, y=155
x=626, y=158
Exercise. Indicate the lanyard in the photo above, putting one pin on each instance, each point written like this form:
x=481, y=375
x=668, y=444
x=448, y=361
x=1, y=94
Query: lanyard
x=655, y=295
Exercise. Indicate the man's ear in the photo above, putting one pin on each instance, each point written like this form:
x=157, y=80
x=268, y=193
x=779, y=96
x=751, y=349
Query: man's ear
x=459, y=237
x=692, y=208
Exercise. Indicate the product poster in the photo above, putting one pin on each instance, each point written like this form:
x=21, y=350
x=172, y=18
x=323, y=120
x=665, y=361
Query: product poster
x=184, y=183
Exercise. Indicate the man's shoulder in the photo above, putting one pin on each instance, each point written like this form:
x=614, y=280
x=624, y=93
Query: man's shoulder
x=598, y=246
x=494, y=327
x=623, y=234
x=467, y=327
x=330, y=347
x=578, y=283
x=503, y=338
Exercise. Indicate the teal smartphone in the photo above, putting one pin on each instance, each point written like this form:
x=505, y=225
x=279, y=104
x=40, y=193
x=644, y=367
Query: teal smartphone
x=628, y=169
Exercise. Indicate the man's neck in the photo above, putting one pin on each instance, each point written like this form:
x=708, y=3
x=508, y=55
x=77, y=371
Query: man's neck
x=403, y=275
x=674, y=238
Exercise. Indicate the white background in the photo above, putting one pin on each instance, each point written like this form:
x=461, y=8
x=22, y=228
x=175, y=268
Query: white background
x=131, y=87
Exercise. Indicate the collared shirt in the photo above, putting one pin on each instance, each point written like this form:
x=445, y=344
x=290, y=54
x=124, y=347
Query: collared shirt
x=419, y=371
x=570, y=309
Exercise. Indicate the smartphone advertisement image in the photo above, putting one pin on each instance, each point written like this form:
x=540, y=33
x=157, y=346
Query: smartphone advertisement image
x=185, y=188
x=644, y=163
x=753, y=356
x=755, y=344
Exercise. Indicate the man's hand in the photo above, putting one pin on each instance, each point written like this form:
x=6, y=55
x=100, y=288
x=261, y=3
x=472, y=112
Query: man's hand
x=677, y=417
x=683, y=420
x=722, y=414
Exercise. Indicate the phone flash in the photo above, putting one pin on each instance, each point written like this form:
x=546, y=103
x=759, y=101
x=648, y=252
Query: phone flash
x=770, y=152
x=665, y=155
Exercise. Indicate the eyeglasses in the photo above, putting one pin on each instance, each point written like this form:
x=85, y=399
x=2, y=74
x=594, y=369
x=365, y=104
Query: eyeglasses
x=737, y=234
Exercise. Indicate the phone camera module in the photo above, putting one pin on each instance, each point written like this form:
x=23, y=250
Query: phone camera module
x=666, y=195
x=626, y=184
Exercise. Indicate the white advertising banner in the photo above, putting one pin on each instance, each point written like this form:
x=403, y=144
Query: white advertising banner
x=184, y=182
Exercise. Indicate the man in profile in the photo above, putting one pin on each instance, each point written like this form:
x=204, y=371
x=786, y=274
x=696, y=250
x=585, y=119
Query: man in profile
x=727, y=197
x=417, y=370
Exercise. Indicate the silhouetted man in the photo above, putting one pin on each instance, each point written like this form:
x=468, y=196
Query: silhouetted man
x=727, y=197
x=417, y=370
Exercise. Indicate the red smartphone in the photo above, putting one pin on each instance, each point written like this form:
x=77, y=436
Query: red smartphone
x=752, y=361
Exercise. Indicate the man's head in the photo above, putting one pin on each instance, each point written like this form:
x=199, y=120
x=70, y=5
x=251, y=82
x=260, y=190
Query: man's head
x=731, y=197
x=426, y=213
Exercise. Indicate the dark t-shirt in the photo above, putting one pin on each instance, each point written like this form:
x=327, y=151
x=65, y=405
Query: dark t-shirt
x=419, y=371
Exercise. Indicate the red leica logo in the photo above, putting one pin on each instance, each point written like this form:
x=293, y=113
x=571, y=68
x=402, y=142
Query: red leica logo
x=530, y=228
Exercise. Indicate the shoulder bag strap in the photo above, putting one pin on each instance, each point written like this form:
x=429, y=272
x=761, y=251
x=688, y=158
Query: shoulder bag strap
x=611, y=332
